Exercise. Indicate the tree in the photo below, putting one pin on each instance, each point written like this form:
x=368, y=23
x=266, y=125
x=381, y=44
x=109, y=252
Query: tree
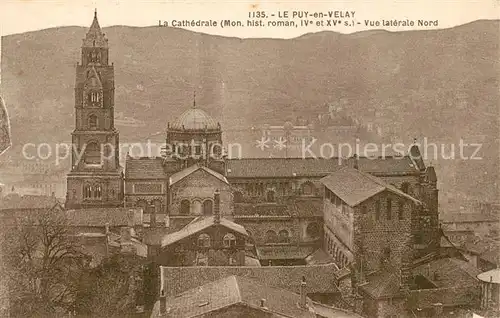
x=42, y=261
x=112, y=289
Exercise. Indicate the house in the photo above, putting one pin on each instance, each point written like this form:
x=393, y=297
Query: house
x=237, y=296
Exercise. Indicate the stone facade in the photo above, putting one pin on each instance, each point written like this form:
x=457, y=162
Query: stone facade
x=96, y=177
x=198, y=189
x=193, y=251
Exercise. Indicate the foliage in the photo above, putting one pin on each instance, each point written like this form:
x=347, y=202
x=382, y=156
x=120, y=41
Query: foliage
x=110, y=289
x=42, y=263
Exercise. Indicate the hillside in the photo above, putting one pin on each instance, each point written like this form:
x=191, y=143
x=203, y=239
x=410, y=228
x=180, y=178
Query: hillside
x=440, y=84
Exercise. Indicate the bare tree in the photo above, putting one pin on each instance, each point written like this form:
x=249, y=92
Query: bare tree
x=43, y=263
x=111, y=289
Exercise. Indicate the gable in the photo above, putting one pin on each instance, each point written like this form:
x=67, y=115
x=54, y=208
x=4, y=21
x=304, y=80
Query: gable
x=199, y=178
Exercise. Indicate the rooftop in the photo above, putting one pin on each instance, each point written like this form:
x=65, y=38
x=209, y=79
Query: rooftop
x=233, y=290
x=468, y=218
x=178, y=176
x=194, y=119
x=448, y=272
x=198, y=225
x=382, y=285
x=100, y=216
x=14, y=201
x=320, y=167
x=144, y=168
x=320, y=278
x=354, y=186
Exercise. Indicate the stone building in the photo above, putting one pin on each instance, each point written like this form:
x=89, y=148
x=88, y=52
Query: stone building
x=208, y=240
x=95, y=179
x=277, y=199
x=367, y=221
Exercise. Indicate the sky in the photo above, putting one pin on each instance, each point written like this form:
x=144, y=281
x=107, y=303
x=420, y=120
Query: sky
x=18, y=16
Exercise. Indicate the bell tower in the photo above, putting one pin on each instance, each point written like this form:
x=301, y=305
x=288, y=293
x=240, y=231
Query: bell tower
x=96, y=178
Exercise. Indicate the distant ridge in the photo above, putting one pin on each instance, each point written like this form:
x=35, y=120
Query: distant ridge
x=442, y=84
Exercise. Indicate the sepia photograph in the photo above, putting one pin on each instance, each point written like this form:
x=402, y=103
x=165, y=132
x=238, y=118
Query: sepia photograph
x=182, y=159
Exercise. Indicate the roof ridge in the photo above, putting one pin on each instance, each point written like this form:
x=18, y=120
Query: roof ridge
x=386, y=185
x=238, y=291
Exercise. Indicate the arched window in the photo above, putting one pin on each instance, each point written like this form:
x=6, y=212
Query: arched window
x=307, y=188
x=271, y=237
x=92, y=153
x=87, y=191
x=185, y=207
x=207, y=207
x=94, y=97
x=313, y=230
x=196, y=207
x=92, y=121
x=270, y=196
x=229, y=240
x=238, y=197
x=97, y=193
x=204, y=240
x=283, y=236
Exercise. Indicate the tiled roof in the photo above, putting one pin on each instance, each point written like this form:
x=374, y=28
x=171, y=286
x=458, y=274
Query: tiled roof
x=468, y=218
x=448, y=272
x=176, y=177
x=100, y=216
x=198, y=225
x=448, y=297
x=488, y=250
x=279, y=167
x=319, y=257
x=382, y=285
x=310, y=207
x=290, y=167
x=387, y=165
x=320, y=278
x=233, y=290
x=261, y=209
x=144, y=168
x=15, y=201
x=354, y=186
x=284, y=252
x=299, y=207
x=492, y=256
x=322, y=310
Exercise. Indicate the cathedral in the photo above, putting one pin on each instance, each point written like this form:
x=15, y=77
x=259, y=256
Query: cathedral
x=279, y=201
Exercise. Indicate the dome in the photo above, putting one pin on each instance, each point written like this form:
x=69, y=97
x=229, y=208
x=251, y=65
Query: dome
x=194, y=119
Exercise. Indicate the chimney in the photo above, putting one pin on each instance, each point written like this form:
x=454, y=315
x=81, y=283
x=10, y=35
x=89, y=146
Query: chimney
x=303, y=293
x=163, y=303
x=438, y=309
x=356, y=161
x=262, y=303
x=217, y=206
x=167, y=221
